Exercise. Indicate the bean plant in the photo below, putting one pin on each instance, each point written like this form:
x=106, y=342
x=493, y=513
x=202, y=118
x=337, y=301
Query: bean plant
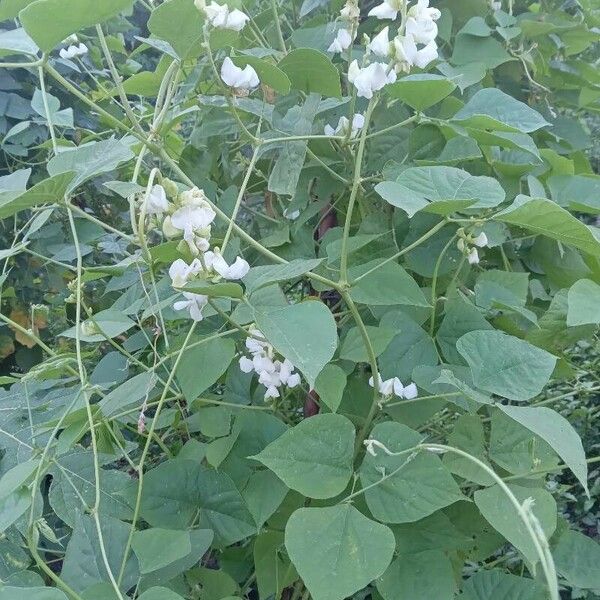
x=283, y=289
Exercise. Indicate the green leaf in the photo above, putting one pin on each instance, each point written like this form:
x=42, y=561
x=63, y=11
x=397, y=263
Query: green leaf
x=388, y=285
x=305, y=333
x=311, y=71
x=577, y=559
x=505, y=365
x=415, y=487
x=421, y=91
x=506, y=287
x=52, y=189
x=16, y=41
x=90, y=159
x=128, y=394
x=84, y=563
x=554, y=429
x=499, y=511
x=215, y=359
x=109, y=323
x=584, y=303
x=545, y=217
x=160, y=593
x=32, y=593
x=274, y=571
x=577, y=192
x=485, y=50
x=491, y=108
x=268, y=73
x=353, y=346
x=337, y=550
x=13, y=506
x=419, y=576
x=496, y=585
x=180, y=23
x=314, y=457
x=330, y=385
x=450, y=183
x=42, y=22
x=404, y=198
x=261, y=276
x=156, y=548
x=214, y=290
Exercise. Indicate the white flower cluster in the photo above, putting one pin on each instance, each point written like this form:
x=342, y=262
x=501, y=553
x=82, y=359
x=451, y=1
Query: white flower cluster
x=242, y=80
x=73, y=51
x=191, y=216
x=469, y=245
x=272, y=373
x=219, y=15
x=349, y=14
x=394, y=386
x=344, y=126
x=420, y=28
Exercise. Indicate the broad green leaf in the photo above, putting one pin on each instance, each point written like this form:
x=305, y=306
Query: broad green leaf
x=419, y=576
x=421, y=91
x=214, y=358
x=215, y=290
x=516, y=448
x=415, y=487
x=89, y=160
x=496, y=585
x=469, y=49
x=16, y=477
x=156, y=548
x=464, y=75
x=274, y=571
x=74, y=481
x=261, y=276
x=353, y=346
x=160, y=593
x=584, y=303
x=330, y=385
x=577, y=559
x=32, y=593
x=544, y=217
x=177, y=492
x=337, y=550
x=305, y=333
x=13, y=506
x=505, y=365
x=84, y=563
x=491, y=108
x=49, y=22
x=50, y=190
x=399, y=195
x=268, y=73
x=314, y=457
x=311, y=71
x=499, y=511
x=554, y=429
x=180, y=23
x=16, y=41
x=130, y=393
x=264, y=494
x=450, y=183
x=388, y=285
x=507, y=287
x=577, y=192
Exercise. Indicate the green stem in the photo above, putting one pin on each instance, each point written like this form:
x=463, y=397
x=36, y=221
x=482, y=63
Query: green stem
x=434, y=281
x=47, y=108
x=275, y=11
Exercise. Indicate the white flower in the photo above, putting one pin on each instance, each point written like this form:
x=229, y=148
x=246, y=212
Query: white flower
x=293, y=214
x=386, y=10
x=219, y=15
x=233, y=76
x=410, y=391
x=180, y=272
x=193, y=217
x=408, y=55
x=194, y=303
x=394, y=386
x=422, y=31
x=350, y=11
x=386, y=387
x=272, y=392
x=237, y=270
x=481, y=240
x=246, y=364
x=73, y=51
x=255, y=345
x=369, y=79
x=380, y=44
x=342, y=41
x=344, y=126
x=473, y=256
x=421, y=11
x=157, y=203
x=293, y=380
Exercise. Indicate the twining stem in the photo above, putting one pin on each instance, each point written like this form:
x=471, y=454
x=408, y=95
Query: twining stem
x=278, y=26
x=434, y=281
x=47, y=108
x=356, y=180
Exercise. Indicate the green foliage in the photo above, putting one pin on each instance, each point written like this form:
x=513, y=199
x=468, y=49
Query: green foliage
x=284, y=318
